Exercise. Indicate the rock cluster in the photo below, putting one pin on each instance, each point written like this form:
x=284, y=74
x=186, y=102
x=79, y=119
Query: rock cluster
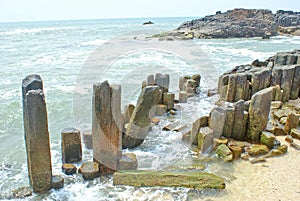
x=237, y=23
x=282, y=72
x=188, y=86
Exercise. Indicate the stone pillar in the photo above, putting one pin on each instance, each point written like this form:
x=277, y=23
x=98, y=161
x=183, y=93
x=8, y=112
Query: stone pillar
x=239, y=125
x=183, y=96
x=162, y=81
x=261, y=80
x=71, y=145
x=230, y=95
x=36, y=134
x=106, y=126
x=168, y=100
x=139, y=123
x=258, y=113
x=197, y=78
x=296, y=84
x=241, y=90
x=201, y=122
x=286, y=82
x=229, y=120
x=150, y=80
x=217, y=121
x=205, y=140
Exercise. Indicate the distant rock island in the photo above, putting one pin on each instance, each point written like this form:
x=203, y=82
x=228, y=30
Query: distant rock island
x=237, y=23
x=147, y=23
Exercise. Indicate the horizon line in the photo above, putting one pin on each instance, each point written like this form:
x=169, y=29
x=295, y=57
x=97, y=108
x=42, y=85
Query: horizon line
x=83, y=19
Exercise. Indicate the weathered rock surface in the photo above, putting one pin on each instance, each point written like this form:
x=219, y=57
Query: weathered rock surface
x=224, y=152
x=139, y=123
x=238, y=23
x=257, y=150
x=36, y=134
x=267, y=138
x=205, y=140
x=128, y=162
x=106, y=125
x=69, y=169
x=89, y=170
x=201, y=122
x=258, y=113
x=71, y=145
x=231, y=24
x=194, y=180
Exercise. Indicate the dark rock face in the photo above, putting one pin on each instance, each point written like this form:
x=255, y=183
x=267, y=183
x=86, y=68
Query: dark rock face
x=231, y=24
x=238, y=23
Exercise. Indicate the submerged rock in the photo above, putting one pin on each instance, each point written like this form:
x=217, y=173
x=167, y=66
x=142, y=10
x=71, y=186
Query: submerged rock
x=128, y=162
x=89, y=170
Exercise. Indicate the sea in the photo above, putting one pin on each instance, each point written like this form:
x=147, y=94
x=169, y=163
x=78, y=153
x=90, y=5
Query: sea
x=72, y=55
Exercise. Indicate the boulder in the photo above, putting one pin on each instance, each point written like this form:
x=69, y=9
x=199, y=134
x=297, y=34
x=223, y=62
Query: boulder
x=257, y=150
x=139, y=123
x=22, y=192
x=183, y=96
x=168, y=100
x=69, y=169
x=224, y=153
x=289, y=139
x=128, y=162
x=89, y=170
x=259, y=113
x=292, y=121
x=146, y=178
x=267, y=138
x=236, y=151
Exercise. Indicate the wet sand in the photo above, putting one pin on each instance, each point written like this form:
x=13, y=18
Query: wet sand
x=276, y=179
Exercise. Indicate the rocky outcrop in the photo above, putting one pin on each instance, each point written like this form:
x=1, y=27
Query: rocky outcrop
x=231, y=24
x=288, y=22
x=237, y=23
x=280, y=72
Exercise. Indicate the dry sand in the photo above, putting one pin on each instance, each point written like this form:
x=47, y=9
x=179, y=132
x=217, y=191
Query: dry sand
x=276, y=179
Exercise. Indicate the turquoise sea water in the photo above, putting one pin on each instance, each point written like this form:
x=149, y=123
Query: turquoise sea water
x=58, y=51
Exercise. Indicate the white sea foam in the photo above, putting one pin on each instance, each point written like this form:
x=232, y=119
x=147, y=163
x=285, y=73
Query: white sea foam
x=34, y=30
x=93, y=42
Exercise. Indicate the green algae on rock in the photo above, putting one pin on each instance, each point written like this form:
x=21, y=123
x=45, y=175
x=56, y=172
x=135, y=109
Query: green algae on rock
x=146, y=178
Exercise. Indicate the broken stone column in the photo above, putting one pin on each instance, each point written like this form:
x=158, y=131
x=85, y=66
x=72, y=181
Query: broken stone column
x=292, y=121
x=228, y=124
x=241, y=88
x=106, y=126
x=240, y=124
x=217, y=121
x=258, y=113
x=183, y=96
x=139, y=123
x=150, y=80
x=36, y=134
x=230, y=94
x=261, y=80
x=71, y=145
x=201, y=122
x=286, y=82
x=205, y=140
x=162, y=81
x=168, y=100
x=296, y=84
x=197, y=78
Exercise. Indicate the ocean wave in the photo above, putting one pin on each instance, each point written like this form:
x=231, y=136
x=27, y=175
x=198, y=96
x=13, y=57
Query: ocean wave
x=93, y=42
x=33, y=30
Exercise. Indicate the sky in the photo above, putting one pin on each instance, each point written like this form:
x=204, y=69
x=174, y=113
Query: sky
x=40, y=10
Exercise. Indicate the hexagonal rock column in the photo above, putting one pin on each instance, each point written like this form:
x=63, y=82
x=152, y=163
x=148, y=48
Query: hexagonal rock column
x=217, y=120
x=106, y=126
x=258, y=114
x=71, y=145
x=36, y=134
x=139, y=123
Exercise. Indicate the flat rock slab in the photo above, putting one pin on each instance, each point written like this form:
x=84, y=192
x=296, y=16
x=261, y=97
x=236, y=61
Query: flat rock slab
x=144, y=178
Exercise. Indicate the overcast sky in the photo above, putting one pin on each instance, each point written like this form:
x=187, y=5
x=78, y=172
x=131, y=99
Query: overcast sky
x=39, y=10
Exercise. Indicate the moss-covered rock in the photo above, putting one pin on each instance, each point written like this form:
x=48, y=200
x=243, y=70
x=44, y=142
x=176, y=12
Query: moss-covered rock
x=194, y=180
x=224, y=153
x=257, y=150
x=267, y=138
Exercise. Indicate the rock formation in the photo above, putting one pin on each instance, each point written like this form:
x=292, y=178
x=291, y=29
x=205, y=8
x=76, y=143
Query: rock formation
x=237, y=23
x=106, y=124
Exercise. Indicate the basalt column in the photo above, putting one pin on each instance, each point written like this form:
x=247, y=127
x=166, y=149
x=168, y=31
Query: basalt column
x=106, y=126
x=36, y=134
